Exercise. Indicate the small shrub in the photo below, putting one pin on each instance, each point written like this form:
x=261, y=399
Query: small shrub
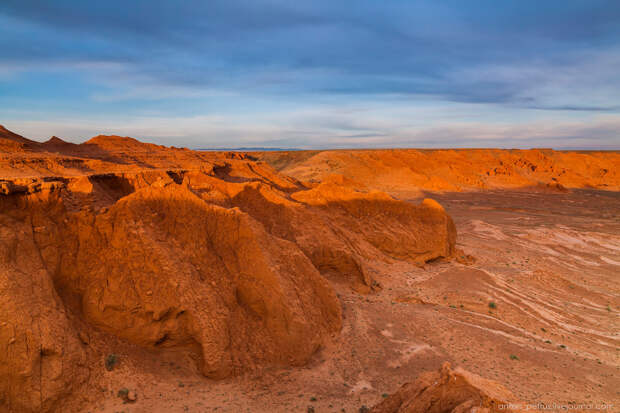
x=123, y=393
x=111, y=361
x=513, y=357
x=492, y=305
x=312, y=399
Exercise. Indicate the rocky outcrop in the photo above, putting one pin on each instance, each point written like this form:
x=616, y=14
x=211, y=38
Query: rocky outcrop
x=406, y=172
x=214, y=255
x=41, y=360
x=342, y=230
x=450, y=391
x=159, y=268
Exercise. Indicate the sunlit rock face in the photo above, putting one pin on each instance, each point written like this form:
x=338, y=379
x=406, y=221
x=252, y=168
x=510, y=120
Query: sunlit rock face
x=215, y=255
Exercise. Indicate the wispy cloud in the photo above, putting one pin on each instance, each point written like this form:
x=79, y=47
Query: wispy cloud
x=319, y=129
x=274, y=70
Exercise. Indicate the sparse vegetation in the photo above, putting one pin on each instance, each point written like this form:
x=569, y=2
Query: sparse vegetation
x=513, y=357
x=111, y=361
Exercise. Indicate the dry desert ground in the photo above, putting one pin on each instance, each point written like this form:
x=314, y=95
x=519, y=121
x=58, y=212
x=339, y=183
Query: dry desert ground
x=141, y=278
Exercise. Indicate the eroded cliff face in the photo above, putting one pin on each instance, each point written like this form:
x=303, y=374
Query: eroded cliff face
x=340, y=229
x=406, y=172
x=41, y=359
x=215, y=255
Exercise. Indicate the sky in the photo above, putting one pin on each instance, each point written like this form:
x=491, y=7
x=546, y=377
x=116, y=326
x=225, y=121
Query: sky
x=314, y=74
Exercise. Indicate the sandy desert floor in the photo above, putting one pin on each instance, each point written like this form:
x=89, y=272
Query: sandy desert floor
x=532, y=303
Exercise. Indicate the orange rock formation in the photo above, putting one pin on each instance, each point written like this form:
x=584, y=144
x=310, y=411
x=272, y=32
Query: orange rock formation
x=406, y=171
x=211, y=254
x=451, y=391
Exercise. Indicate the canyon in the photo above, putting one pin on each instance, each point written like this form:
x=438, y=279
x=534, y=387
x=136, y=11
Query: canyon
x=136, y=277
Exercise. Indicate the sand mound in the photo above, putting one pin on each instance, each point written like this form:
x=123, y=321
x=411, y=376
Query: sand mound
x=450, y=391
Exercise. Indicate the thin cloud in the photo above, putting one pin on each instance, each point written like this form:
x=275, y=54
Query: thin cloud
x=217, y=131
x=264, y=59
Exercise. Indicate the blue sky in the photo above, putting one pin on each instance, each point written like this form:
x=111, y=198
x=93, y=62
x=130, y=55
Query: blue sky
x=319, y=74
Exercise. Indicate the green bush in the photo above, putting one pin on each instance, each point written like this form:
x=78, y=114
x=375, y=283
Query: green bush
x=110, y=361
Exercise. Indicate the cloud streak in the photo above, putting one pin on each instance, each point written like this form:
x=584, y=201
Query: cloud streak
x=236, y=59
x=320, y=129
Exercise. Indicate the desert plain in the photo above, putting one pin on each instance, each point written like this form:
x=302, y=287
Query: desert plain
x=141, y=278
